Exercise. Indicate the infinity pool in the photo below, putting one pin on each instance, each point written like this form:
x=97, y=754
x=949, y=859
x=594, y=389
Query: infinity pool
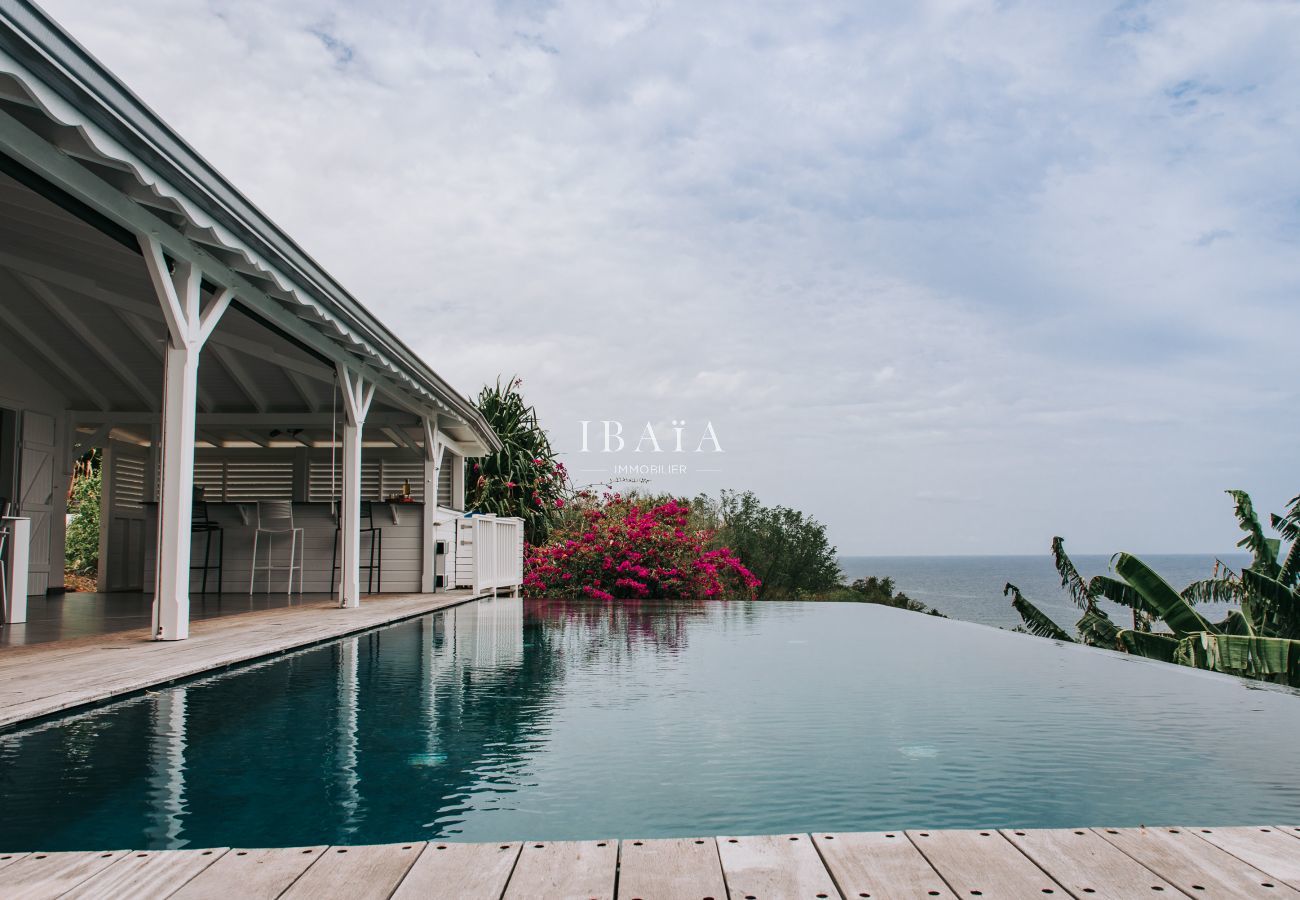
x=513, y=719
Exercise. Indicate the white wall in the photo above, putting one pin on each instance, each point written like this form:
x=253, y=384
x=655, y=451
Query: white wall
x=26, y=390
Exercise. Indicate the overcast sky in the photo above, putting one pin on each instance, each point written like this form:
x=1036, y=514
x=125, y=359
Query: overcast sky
x=953, y=277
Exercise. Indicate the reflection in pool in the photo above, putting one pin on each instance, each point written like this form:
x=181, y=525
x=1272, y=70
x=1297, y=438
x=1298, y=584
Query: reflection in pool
x=512, y=719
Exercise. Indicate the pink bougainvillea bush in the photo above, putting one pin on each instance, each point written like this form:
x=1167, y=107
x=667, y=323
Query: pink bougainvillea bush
x=630, y=548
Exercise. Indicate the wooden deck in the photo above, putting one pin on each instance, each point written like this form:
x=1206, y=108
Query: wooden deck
x=1084, y=863
x=41, y=679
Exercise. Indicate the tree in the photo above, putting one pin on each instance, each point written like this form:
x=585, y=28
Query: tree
x=1260, y=639
x=787, y=550
x=524, y=478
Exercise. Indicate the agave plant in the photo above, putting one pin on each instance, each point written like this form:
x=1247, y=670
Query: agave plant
x=524, y=479
x=1259, y=639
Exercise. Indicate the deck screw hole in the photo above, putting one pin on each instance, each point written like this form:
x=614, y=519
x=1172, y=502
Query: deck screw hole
x=602, y=844
x=140, y=855
x=1206, y=831
x=977, y=893
x=1266, y=883
x=407, y=847
x=1173, y=830
x=731, y=840
x=1264, y=829
x=538, y=846
x=1078, y=832
x=830, y=837
x=1198, y=887
x=1048, y=891
x=889, y=835
x=207, y=852
x=925, y=834
x=1156, y=887
x=1020, y=833
x=984, y=834
x=442, y=846
x=342, y=850
x=699, y=842
x=636, y=844
x=42, y=855
x=241, y=853
x=821, y=897
x=504, y=847
x=1089, y=891
x=1111, y=831
x=304, y=853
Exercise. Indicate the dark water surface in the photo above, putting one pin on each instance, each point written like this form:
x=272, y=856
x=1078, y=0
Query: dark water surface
x=523, y=719
x=970, y=587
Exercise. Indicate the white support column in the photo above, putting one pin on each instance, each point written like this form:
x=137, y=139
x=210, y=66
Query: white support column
x=188, y=328
x=357, y=396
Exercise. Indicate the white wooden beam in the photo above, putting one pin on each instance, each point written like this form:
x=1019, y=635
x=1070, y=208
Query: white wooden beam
x=107, y=355
x=155, y=343
x=70, y=370
x=305, y=393
x=429, y=537
x=240, y=375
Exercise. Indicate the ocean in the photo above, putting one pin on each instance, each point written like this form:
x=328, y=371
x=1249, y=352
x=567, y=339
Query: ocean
x=970, y=587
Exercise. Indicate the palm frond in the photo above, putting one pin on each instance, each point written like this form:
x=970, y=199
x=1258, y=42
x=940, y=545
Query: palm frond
x=1036, y=621
x=1071, y=580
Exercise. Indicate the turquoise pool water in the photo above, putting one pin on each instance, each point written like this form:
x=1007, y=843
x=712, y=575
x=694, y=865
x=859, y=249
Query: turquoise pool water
x=513, y=719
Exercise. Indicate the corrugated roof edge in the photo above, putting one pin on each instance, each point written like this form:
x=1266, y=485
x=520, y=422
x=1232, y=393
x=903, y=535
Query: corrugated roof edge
x=39, y=43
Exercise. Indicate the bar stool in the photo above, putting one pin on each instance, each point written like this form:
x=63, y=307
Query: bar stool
x=200, y=523
x=374, y=571
x=276, y=517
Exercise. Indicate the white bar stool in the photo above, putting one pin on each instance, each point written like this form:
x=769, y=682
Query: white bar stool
x=276, y=517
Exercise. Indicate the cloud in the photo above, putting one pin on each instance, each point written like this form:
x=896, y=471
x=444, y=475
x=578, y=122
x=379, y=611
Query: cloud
x=1041, y=256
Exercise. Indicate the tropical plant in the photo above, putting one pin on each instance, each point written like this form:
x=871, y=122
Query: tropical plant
x=1258, y=639
x=524, y=478
x=632, y=548
x=786, y=549
x=81, y=542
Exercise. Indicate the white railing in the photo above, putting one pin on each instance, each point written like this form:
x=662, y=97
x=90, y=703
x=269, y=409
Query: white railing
x=498, y=553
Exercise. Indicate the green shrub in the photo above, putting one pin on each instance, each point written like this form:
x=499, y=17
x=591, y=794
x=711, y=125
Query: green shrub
x=81, y=544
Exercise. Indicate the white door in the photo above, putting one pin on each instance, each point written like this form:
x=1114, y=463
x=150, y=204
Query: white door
x=122, y=517
x=36, y=494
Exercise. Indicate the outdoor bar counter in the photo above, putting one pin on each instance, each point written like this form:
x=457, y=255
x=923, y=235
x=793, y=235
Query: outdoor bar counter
x=402, y=547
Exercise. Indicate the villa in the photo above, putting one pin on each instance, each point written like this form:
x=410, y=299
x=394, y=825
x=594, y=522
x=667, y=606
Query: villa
x=254, y=417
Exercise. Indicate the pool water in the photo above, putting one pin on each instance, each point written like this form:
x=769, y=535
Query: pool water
x=510, y=719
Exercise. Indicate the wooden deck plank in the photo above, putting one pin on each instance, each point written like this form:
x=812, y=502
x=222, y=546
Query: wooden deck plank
x=7, y=858
x=983, y=864
x=1084, y=864
x=39, y=876
x=564, y=870
x=1293, y=830
x=670, y=869
x=43, y=679
x=260, y=874
x=145, y=873
x=881, y=864
x=774, y=866
x=1266, y=848
x=359, y=873
x=1196, y=867
x=447, y=871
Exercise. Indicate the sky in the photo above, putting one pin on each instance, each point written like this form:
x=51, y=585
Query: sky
x=951, y=277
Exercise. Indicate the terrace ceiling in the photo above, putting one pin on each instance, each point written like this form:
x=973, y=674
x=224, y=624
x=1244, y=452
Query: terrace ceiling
x=68, y=121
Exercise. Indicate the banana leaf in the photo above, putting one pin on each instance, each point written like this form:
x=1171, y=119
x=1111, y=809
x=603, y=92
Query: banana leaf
x=1159, y=598
x=1264, y=548
x=1036, y=622
x=1276, y=607
x=1117, y=592
x=1096, y=629
x=1237, y=622
x=1152, y=646
x=1214, y=590
x=1274, y=659
x=1071, y=580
